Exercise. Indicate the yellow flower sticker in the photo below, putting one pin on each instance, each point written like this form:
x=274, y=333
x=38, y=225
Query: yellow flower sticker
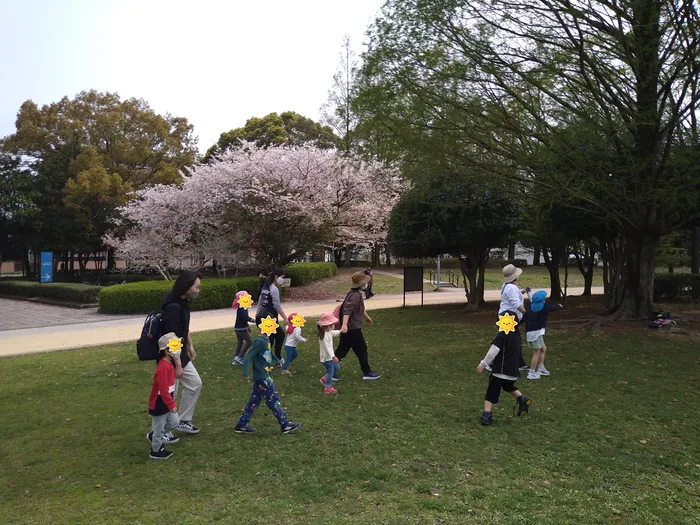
x=245, y=301
x=298, y=321
x=268, y=326
x=506, y=323
x=175, y=345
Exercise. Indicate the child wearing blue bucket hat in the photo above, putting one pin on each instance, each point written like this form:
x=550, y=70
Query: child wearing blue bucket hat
x=535, y=326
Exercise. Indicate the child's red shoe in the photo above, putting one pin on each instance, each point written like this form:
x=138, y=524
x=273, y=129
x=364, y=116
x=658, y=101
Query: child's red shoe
x=330, y=390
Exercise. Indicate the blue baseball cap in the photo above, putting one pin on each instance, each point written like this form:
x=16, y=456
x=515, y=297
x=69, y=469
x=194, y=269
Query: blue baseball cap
x=537, y=302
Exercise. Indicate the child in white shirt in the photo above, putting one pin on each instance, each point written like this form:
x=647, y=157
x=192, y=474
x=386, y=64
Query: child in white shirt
x=325, y=341
x=294, y=337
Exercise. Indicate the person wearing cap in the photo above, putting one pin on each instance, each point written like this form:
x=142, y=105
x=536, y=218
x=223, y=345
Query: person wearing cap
x=161, y=403
x=535, y=326
x=326, y=333
x=512, y=300
x=352, y=314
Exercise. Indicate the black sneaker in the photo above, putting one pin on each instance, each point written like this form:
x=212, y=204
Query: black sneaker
x=161, y=454
x=187, y=427
x=168, y=438
x=292, y=426
x=337, y=378
x=487, y=419
x=238, y=429
x=371, y=376
x=524, y=367
x=523, y=406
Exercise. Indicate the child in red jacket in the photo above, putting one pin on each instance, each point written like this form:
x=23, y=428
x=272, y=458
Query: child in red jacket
x=161, y=405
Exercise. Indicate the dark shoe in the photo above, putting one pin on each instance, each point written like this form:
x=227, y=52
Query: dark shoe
x=292, y=426
x=524, y=367
x=187, y=427
x=243, y=430
x=523, y=406
x=161, y=454
x=371, y=376
x=168, y=438
x=337, y=377
x=487, y=419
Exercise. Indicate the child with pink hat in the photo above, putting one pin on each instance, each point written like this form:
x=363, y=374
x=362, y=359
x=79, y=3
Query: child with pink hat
x=325, y=341
x=242, y=329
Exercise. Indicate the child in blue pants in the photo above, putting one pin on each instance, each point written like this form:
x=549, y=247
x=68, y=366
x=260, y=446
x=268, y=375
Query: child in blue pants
x=263, y=388
x=328, y=358
x=294, y=337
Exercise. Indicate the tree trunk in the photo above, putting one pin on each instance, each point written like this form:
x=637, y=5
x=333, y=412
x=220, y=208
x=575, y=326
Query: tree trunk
x=638, y=299
x=111, y=260
x=338, y=256
x=72, y=262
x=469, y=266
x=536, y=256
x=695, y=250
x=552, y=264
x=511, y=252
x=348, y=256
x=482, y=275
x=388, y=255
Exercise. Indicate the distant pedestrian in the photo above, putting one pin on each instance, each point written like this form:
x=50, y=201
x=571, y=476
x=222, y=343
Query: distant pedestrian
x=368, y=291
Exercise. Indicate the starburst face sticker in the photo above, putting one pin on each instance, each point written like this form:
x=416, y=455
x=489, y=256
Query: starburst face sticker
x=298, y=321
x=245, y=301
x=175, y=346
x=268, y=326
x=506, y=323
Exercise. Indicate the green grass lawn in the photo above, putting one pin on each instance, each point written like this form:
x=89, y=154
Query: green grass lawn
x=533, y=276
x=612, y=436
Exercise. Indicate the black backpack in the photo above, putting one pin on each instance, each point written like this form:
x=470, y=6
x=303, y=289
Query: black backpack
x=147, y=345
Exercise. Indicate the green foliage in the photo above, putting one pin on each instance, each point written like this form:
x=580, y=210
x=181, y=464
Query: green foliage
x=144, y=297
x=673, y=251
x=90, y=152
x=69, y=292
x=449, y=215
x=288, y=128
x=308, y=272
x=676, y=287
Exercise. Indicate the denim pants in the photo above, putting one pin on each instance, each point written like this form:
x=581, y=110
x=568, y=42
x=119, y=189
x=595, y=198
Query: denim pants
x=290, y=354
x=331, y=368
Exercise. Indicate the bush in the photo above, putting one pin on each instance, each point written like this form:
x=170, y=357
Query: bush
x=305, y=273
x=144, y=297
x=69, y=292
x=676, y=287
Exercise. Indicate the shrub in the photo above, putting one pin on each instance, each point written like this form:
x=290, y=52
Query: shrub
x=144, y=297
x=69, y=292
x=676, y=287
x=305, y=273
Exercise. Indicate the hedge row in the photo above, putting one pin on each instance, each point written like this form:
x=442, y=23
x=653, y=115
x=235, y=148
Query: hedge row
x=305, y=273
x=144, y=297
x=676, y=287
x=70, y=292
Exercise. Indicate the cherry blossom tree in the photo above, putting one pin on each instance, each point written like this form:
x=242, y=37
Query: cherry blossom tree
x=276, y=203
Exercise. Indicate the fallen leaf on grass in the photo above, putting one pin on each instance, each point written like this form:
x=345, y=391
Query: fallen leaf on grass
x=643, y=441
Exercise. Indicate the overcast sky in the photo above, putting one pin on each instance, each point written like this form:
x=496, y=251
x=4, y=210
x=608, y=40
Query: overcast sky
x=215, y=62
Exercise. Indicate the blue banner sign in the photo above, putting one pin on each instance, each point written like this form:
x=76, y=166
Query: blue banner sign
x=46, y=267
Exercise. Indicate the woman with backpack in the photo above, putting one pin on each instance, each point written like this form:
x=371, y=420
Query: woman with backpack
x=176, y=319
x=352, y=313
x=269, y=303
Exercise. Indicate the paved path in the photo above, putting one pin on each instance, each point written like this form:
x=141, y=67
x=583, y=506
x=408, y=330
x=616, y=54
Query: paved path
x=110, y=330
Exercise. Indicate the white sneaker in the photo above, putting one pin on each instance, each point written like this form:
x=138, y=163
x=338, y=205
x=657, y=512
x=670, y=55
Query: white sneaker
x=531, y=374
x=541, y=370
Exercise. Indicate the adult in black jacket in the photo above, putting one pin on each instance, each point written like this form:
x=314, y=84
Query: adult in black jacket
x=176, y=318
